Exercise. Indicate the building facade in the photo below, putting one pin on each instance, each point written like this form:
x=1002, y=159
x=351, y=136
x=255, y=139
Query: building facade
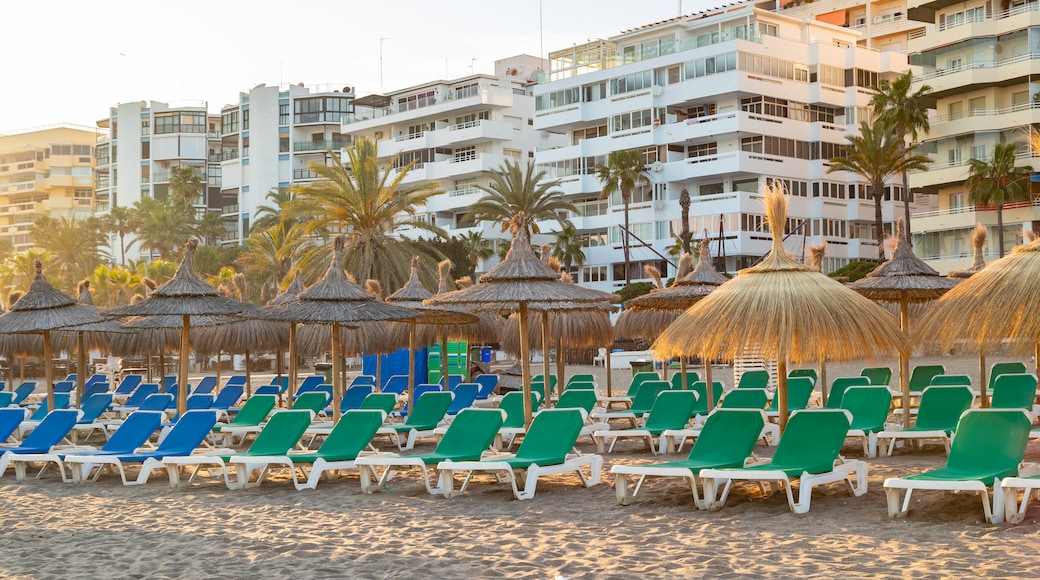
x=146, y=142
x=720, y=103
x=46, y=171
x=457, y=132
x=268, y=141
x=979, y=63
x=883, y=24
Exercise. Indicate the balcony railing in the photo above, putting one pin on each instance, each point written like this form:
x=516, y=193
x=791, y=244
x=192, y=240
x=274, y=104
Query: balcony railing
x=446, y=97
x=464, y=191
x=986, y=112
x=319, y=145
x=304, y=174
x=972, y=208
x=978, y=64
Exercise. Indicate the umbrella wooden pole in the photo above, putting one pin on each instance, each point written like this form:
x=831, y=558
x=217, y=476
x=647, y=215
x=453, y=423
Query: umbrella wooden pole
x=220, y=355
x=664, y=368
x=983, y=383
x=292, y=361
x=904, y=362
x=546, y=379
x=709, y=384
x=444, y=357
x=606, y=363
x=182, y=380
x=1036, y=359
x=278, y=375
x=162, y=362
x=81, y=366
x=379, y=369
x=682, y=369
x=781, y=391
x=411, y=364
x=337, y=378
x=249, y=376
x=561, y=363
x=525, y=366
x=48, y=370
x=823, y=381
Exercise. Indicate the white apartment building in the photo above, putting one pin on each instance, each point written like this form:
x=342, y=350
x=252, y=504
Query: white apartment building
x=268, y=141
x=146, y=141
x=884, y=24
x=720, y=103
x=457, y=132
x=979, y=62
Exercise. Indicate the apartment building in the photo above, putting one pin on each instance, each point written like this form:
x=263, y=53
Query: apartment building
x=44, y=171
x=884, y=24
x=269, y=139
x=979, y=62
x=457, y=132
x=720, y=103
x=145, y=142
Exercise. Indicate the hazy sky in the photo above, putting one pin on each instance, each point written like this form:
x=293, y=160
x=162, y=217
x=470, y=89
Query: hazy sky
x=68, y=62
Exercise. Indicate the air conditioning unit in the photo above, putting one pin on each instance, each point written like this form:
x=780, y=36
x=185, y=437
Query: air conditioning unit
x=379, y=135
x=657, y=167
x=656, y=90
x=659, y=205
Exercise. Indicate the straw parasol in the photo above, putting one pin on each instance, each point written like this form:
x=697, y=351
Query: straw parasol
x=184, y=295
x=903, y=279
x=786, y=310
x=994, y=308
x=245, y=336
x=519, y=280
x=978, y=241
x=95, y=335
x=412, y=295
x=336, y=300
x=43, y=309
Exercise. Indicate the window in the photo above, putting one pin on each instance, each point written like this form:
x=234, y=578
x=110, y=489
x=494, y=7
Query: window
x=711, y=65
x=954, y=156
x=594, y=92
x=283, y=143
x=557, y=99
x=321, y=109
x=589, y=133
x=513, y=154
x=711, y=188
x=228, y=122
x=632, y=82
x=146, y=126
x=465, y=154
x=631, y=120
x=977, y=106
x=751, y=144
x=470, y=90
x=955, y=110
x=702, y=150
x=188, y=122
x=766, y=29
x=827, y=75
x=594, y=274
x=146, y=150
x=283, y=113
x=245, y=119
x=746, y=185
x=705, y=110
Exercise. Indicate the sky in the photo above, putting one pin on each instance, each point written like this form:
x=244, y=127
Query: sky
x=68, y=62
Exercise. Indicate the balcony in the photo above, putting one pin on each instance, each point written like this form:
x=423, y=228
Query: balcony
x=489, y=94
x=980, y=71
x=981, y=120
x=966, y=217
x=304, y=146
x=462, y=168
x=303, y=174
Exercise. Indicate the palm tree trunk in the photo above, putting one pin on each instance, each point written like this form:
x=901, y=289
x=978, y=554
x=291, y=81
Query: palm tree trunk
x=879, y=223
x=906, y=207
x=1000, y=230
x=122, y=250
x=684, y=203
x=624, y=239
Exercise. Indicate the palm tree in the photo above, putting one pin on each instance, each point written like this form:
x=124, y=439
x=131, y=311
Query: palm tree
x=476, y=246
x=270, y=256
x=278, y=212
x=115, y=286
x=369, y=203
x=519, y=197
x=876, y=154
x=997, y=182
x=906, y=109
x=623, y=172
x=161, y=226
x=120, y=220
x=568, y=248
x=684, y=225
x=75, y=246
x=210, y=227
x=186, y=186
x=18, y=270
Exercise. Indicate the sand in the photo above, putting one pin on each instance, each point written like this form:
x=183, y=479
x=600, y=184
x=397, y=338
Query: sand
x=52, y=529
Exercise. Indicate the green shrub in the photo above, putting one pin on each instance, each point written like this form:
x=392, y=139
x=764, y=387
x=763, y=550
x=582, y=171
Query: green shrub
x=854, y=270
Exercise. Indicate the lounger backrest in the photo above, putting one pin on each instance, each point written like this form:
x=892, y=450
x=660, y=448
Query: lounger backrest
x=282, y=432
x=61, y=401
x=840, y=385
x=267, y=390
x=9, y=421
x=638, y=379
x=877, y=375
x=429, y=410
x=942, y=407
x=646, y=396
x=757, y=379
x=470, y=434
x=799, y=390
x=946, y=380
x=64, y=386
x=990, y=441
x=465, y=395
x=453, y=381
x=134, y=432
x=363, y=380
x=538, y=388
x=140, y=394
x=671, y=410
x=810, y=373
x=869, y=407
x=922, y=375
x=1014, y=391
x=128, y=384
x=541, y=379
x=5, y=398
x=1004, y=368
x=487, y=384
x=701, y=388
x=94, y=406
x=199, y=401
x=513, y=405
x=51, y=430
x=396, y=384
x=577, y=399
x=728, y=436
x=207, y=384
x=228, y=397
x=254, y=411
x=309, y=383
x=691, y=377
x=169, y=383
x=156, y=402
x=352, y=399
x=384, y=402
x=188, y=432
x=580, y=386
x=813, y=439
x=552, y=436
x=23, y=391
x=352, y=434
x=755, y=399
x=581, y=378
x=315, y=401
x=94, y=389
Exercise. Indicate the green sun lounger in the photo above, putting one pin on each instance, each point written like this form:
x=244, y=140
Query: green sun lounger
x=641, y=404
x=869, y=408
x=254, y=412
x=430, y=410
x=671, y=410
x=842, y=384
x=938, y=413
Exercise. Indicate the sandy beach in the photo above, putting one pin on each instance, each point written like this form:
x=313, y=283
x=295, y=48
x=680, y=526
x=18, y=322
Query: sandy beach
x=52, y=529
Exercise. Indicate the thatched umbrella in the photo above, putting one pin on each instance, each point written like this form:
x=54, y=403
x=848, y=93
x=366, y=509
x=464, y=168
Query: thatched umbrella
x=411, y=295
x=87, y=336
x=184, y=295
x=245, y=336
x=995, y=307
x=786, y=310
x=520, y=279
x=43, y=309
x=903, y=279
x=289, y=294
x=335, y=300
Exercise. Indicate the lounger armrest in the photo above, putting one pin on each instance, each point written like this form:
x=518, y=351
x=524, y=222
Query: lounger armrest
x=1026, y=469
